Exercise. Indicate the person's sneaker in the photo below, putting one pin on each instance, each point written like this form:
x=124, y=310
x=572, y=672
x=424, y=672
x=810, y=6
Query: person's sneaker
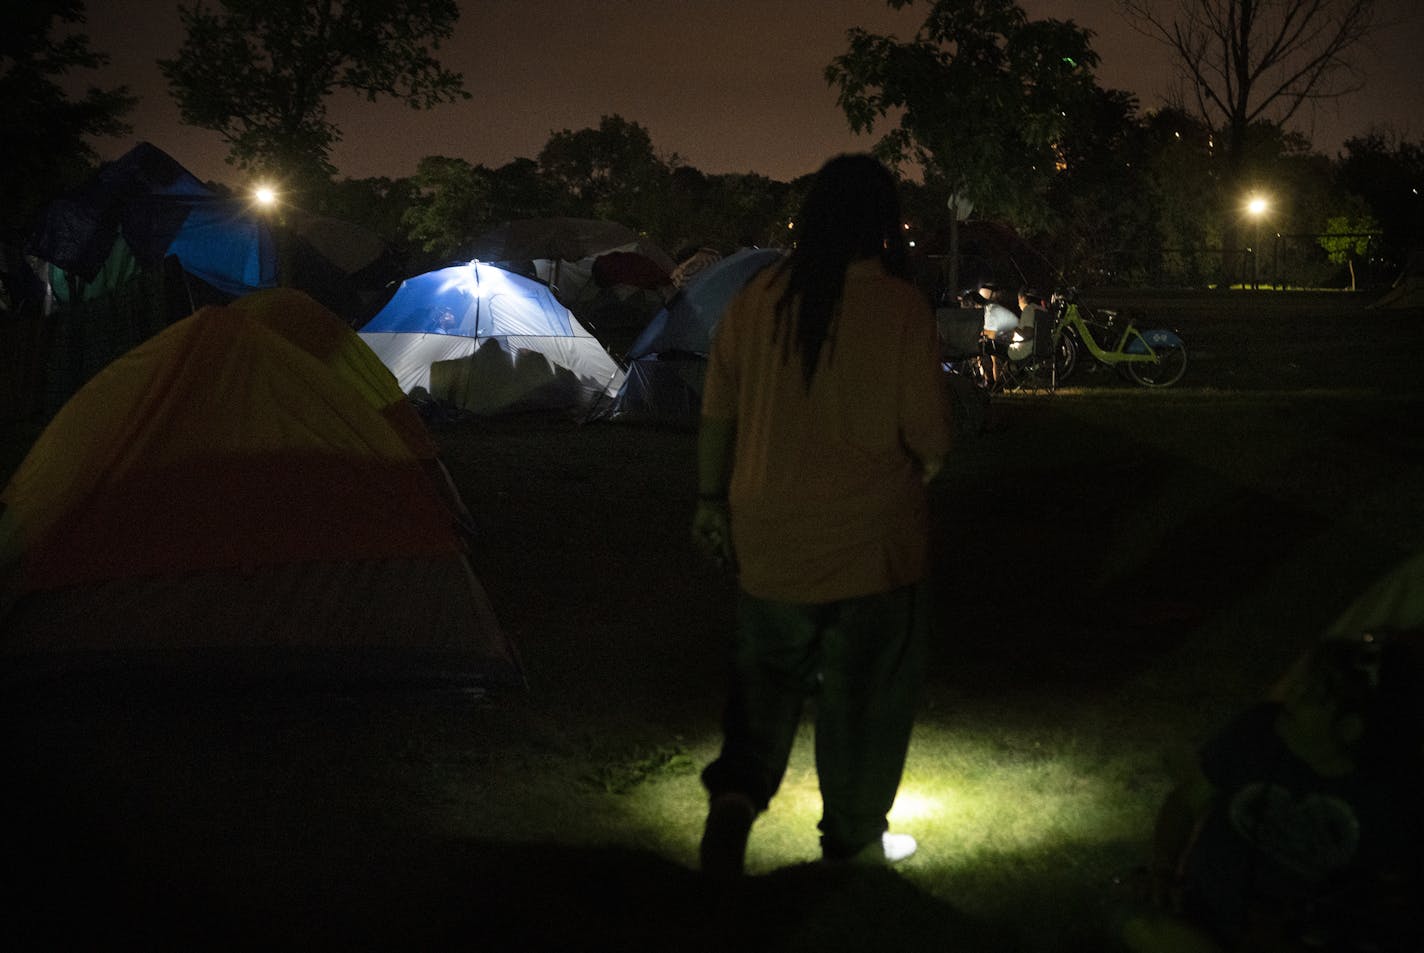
x=897, y=847
x=890, y=849
x=724, y=840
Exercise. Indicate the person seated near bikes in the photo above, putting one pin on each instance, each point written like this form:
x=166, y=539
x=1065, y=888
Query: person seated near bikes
x=999, y=324
x=1295, y=828
x=1032, y=310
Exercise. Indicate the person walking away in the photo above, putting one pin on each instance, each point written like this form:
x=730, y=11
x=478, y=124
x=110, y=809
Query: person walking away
x=824, y=416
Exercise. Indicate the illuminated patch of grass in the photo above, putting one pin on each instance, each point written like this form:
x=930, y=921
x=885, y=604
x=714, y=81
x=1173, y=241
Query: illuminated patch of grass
x=620, y=774
x=1014, y=822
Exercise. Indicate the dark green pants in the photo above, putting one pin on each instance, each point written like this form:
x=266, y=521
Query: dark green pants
x=862, y=661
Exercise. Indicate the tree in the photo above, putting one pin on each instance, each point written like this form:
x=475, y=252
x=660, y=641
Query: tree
x=720, y=211
x=47, y=132
x=260, y=72
x=611, y=172
x=1182, y=188
x=519, y=191
x=1104, y=221
x=1348, y=237
x=452, y=206
x=746, y=209
x=377, y=203
x=1388, y=173
x=454, y=202
x=1244, y=61
x=982, y=96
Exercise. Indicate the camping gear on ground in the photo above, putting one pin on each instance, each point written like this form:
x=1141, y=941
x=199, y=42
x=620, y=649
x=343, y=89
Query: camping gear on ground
x=245, y=492
x=451, y=314
x=668, y=360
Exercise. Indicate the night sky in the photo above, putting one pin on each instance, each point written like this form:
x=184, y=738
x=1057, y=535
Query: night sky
x=728, y=85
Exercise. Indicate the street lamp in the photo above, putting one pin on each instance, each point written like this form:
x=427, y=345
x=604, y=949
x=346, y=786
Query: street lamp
x=269, y=205
x=1256, y=207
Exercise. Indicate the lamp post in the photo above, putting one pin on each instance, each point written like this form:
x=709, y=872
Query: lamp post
x=1256, y=207
x=266, y=199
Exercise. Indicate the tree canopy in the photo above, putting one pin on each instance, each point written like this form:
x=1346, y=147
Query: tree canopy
x=1388, y=173
x=46, y=130
x=260, y=72
x=610, y=172
x=979, y=99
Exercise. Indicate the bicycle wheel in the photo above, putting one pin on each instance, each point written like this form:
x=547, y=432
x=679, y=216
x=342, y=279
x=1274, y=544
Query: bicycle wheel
x=1065, y=357
x=1171, y=365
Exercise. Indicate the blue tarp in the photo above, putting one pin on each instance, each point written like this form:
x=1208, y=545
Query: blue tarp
x=158, y=208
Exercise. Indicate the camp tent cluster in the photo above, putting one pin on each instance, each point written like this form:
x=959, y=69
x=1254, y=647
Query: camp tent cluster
x=250, y=488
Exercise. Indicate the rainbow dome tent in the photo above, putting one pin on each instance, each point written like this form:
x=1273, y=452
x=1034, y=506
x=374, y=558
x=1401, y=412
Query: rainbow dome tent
x=246, y=488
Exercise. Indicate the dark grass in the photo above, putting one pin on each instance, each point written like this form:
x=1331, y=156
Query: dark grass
x=1115, y=568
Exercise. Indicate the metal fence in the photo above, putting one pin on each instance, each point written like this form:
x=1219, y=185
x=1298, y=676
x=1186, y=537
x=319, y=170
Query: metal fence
x=1275, y=260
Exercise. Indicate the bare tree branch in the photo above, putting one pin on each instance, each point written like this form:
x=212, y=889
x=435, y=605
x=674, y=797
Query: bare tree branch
x=1253, y=60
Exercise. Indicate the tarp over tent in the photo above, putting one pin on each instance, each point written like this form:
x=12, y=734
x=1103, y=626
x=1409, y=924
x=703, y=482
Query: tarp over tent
x=615, y=293
x=248, y=487
x=144, y=207
x=585, y=284
x=156, y=208
x=521, y=348
x=668, y=360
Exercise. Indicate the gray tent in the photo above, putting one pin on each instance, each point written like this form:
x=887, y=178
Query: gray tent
x=668, y=360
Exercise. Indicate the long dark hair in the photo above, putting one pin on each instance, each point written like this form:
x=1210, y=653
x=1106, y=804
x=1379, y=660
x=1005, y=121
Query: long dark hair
x=852, y=211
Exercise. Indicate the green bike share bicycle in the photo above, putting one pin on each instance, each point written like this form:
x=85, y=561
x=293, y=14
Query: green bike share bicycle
x=1150, y=358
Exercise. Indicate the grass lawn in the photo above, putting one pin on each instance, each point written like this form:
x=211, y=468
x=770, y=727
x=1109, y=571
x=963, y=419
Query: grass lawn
x=1117, y=570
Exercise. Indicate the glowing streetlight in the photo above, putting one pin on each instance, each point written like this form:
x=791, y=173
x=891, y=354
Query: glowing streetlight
x=1256, y=207
x=265, y=198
